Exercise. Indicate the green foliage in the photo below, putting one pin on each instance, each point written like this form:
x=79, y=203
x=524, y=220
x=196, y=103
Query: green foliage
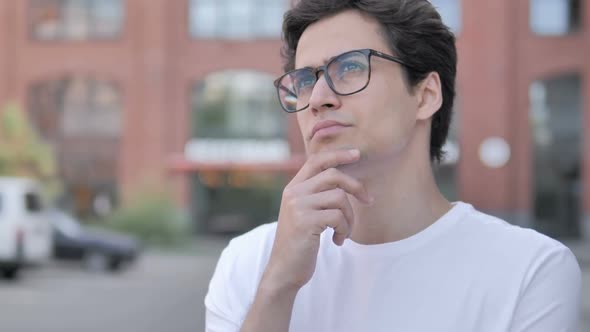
x=154, y=219
x=23, y=153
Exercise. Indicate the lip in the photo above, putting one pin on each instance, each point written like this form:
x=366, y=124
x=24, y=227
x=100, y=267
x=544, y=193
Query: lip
x=326, y=124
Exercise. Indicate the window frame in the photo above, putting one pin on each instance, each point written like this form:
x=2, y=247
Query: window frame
x=89, y=6
x=33, y=202
x=575, y=20
x=255, y=26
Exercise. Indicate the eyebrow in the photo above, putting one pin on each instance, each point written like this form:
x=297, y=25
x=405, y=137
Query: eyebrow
x=326, y=60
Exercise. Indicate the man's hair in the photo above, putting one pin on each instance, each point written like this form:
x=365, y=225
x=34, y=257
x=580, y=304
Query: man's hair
x=415, y=33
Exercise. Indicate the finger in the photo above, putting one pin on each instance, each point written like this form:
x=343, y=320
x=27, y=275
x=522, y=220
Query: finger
x=335, y=220
x=331, y=200
x=333, y=178
x=320, y=162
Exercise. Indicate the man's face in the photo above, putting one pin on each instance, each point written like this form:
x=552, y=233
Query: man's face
x=381, y=117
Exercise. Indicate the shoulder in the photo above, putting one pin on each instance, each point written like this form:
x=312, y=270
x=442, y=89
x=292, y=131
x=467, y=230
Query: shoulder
x=516, y=248
x=541, y=274
x=251, y=249
x=259, y=235
x=239, y=270
x=249, y=252
x=498, y=234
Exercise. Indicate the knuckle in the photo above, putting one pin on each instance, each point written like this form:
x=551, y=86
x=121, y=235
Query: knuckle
x=341, y=194
x=292, y=203
x=332, y=219
x=332, y=173
x=336, y=216
x=289, y=193
x=357, y=186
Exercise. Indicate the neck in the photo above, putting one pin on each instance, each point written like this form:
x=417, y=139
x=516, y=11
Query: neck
x=407, y=199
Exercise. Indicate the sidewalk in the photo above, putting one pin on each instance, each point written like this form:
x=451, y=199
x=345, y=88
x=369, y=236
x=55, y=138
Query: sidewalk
x=581, y=249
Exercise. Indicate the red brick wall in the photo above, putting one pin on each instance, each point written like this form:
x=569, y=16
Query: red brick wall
x=3, y=47
x=499, y=58
x=156, y=63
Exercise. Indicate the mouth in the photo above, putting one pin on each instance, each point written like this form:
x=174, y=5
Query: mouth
x=327, y=128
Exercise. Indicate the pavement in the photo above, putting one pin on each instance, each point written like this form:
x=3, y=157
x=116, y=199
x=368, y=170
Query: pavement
x=581, y=249
x=164, y=291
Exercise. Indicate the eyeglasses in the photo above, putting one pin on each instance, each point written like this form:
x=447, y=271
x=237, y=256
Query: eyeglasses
x=346, y=74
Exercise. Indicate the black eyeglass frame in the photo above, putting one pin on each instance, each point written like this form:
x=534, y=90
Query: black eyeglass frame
x=366, y=51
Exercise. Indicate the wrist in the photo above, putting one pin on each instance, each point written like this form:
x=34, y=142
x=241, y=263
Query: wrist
x=273, y=286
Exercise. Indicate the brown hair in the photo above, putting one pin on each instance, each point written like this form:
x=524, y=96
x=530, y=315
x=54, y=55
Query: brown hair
x=415, y=33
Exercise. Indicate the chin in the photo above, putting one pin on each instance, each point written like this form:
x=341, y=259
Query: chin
x=331, y=146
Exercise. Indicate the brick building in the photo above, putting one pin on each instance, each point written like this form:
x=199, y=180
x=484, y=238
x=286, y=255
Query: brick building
x=116, y=85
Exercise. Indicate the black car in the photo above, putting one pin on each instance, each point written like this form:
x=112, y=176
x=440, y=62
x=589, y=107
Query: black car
x=97, y=249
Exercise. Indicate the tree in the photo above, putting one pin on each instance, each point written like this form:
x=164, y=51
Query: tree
x=23, y=153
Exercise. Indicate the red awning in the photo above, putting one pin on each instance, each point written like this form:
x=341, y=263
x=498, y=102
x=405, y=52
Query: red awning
x=179, y=164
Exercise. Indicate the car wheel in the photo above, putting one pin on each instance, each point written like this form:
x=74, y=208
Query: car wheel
x=10, y=273
x=96, y=261
x=115, y=264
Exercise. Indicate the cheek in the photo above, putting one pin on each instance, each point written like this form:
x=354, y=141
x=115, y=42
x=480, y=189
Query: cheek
x=391, y=122
x=302, y=122
x=301, y=127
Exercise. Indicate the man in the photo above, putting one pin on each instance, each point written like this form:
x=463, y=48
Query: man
x=365, y=241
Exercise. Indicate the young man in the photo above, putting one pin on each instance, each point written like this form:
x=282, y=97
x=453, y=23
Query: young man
x=365, y=241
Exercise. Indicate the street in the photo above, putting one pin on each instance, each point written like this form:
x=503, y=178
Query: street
x=163, y=292
x=585, y=319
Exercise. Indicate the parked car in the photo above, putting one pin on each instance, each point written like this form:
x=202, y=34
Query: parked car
x=25, y=234
x=98, y=250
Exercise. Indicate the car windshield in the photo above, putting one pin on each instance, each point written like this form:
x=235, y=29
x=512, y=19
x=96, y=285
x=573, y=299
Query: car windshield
x=66, y=224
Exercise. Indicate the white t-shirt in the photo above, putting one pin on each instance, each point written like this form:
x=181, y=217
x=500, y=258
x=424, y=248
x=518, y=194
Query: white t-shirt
x=466, y=272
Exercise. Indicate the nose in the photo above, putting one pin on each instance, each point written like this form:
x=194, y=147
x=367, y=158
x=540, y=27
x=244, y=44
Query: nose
x=322, y=97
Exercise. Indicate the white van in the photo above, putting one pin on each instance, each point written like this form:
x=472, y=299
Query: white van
x=26, y=236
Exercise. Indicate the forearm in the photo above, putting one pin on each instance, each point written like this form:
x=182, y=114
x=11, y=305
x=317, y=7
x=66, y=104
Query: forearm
x=271, y=310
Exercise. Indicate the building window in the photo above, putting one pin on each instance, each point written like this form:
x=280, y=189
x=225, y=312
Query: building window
x=76, y=107
x=556, y=113
x=236, y=120
x=81, y=117
x=555, y=17
x=450, y=11
x=33, y=203
x=237, y=104
x=76, y=19
x=236, y=19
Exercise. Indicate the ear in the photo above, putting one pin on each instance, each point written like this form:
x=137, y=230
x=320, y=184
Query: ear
x=429, y=96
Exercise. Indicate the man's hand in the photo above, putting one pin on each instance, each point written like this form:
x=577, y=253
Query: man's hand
x=315, y=199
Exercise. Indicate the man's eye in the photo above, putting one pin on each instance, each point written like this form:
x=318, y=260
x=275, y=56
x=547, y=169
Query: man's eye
x=348, y=67
x=305, y=82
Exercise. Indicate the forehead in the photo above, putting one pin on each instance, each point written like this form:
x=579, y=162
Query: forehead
x=337, y=34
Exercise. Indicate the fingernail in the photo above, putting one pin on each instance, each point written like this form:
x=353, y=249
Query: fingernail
x=354, y=153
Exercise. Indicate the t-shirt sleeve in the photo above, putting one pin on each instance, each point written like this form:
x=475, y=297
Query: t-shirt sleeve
x=217, y=323
x=223, y=309
x=234, y=283
x=550, y=301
